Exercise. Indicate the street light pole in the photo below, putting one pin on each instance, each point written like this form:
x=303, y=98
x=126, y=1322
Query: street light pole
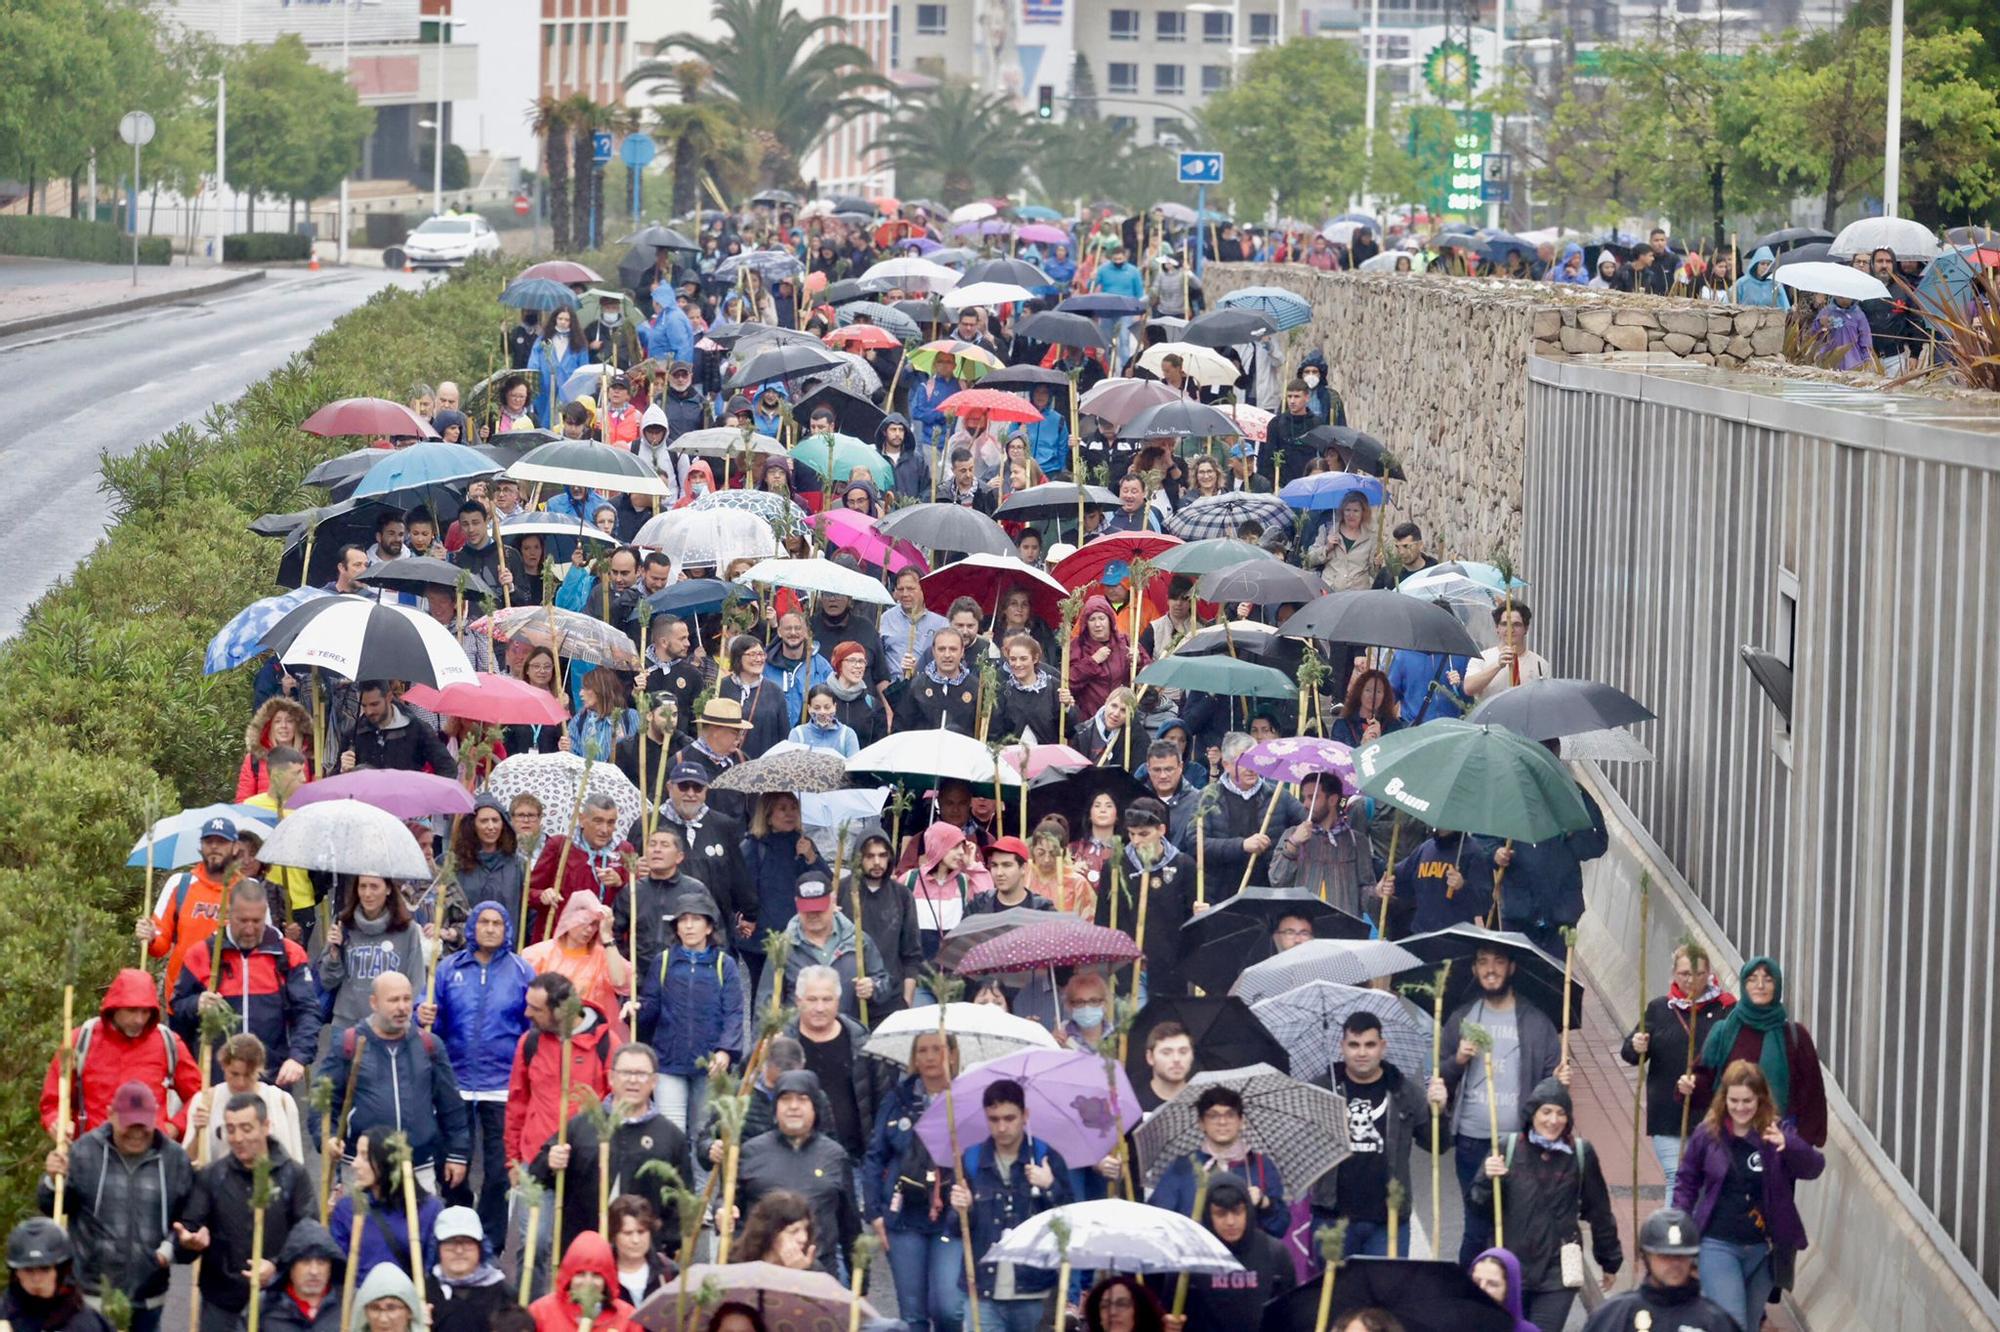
x=437, y=150
x=1892, y=155
x=1499, y=82
x=1368, y=114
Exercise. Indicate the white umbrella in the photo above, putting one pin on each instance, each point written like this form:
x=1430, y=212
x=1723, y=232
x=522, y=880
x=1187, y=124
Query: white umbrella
x=553, y=779
x=1205, y=366
x=817, y=576
x=1385, y=262
x=538, y=522
x=912, y=274
x=585, y=462
x=1614, y=745
x=1342, y=961
x=938, y=753
x=1340, y=233
x=1834, y=280
x=974, y=212
x=1302, y=1128
x=363, y=639
x=723, y=442
x=1114, y=1235
x=1910, y=240
x=346, y=837
x=711, y=537
x=983, y=1031
x=986, y=293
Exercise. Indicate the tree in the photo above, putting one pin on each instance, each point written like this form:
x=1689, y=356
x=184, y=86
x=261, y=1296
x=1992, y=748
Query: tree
x=700, y=137
x=1082, y=91
x=550, y=121
x=294, y=129
x=789, y=81
x=1820, y=112
x=1286, y=123
x=974, y=143
x=1082, y=161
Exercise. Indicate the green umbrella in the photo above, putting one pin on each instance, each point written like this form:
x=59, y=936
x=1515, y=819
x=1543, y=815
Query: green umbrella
x=836, y=456
x=1457, y=776
x=1200, y=557
x=1218, y=675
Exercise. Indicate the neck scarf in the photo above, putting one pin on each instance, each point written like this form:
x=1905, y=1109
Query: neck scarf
x=1767, y=1019
x=1713, y=992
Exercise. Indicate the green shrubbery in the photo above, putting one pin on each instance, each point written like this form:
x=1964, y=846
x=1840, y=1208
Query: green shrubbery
x=107, y=707
x=73, y=238
x=264, y=247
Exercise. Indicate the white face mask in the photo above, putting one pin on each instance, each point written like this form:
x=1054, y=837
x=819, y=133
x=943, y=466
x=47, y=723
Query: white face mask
x=1312, y=377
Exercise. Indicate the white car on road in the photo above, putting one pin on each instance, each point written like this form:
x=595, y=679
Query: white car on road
x=445, y=242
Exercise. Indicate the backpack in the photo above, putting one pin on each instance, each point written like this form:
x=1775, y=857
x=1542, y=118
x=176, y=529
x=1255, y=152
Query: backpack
x=81, y=1052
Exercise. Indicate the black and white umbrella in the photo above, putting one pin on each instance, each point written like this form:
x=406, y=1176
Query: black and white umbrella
x=946, y=527
x=1308, y=1020
x=345, y=837
x=1301, y=1128
x=1341, y=961
x=421, y=571
x=585, y=462
x=364, y=639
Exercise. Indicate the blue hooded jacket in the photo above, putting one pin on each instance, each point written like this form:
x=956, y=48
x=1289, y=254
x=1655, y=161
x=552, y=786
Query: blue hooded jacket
x=699, y=1006
x=482, y=1007
x=1048, y=440
x=1764, y=291
x=925, y=397
x=1559, y=271
x=670, y=336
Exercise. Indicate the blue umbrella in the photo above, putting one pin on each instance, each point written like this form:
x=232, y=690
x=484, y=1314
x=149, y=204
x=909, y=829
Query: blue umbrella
x=692, y=596
x=1326, y=490
x=1947, y=284
x=1286, y=309
x=538, y=294
x=771, y=265
x=236, y=642
x=1037, y=213
x=176, y=839
x=1101, y=304
x=431, y=463
x=1497, y=246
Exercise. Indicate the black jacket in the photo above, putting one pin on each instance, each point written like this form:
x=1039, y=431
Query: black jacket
x=309, y=1239
x=1236, y=1300
x=872, y=1079
x=816, y=1168
x=889, y=917
x=1290, y=458
x=221, y=1201
x=922, y=704
x=1682, y=1308
x=1169, y=905
x=685, y=412
x=406, y=744
x=469, y=1305
x=633, y=1143
x=1022, y=710
x=714, y=856
x=649, y=906
x=1236, y=817
x=1667, y=1059
x=1406, y=1122
x=1543, y=1196
x=64, y=1313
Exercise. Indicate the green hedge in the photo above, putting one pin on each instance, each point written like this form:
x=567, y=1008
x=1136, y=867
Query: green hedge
x=74, y=238
x=106, y=706
x=258, y=247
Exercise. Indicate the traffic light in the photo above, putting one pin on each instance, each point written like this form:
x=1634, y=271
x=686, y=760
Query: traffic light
x=1045, y=102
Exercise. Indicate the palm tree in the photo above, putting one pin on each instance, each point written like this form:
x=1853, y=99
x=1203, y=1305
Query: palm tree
x=701, y=134
x=586, y=119
x=550, y=121
x=975, y=142
x=787, y=81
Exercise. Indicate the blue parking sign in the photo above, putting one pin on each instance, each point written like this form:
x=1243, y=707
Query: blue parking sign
x=600, y=148
x=1201, y=168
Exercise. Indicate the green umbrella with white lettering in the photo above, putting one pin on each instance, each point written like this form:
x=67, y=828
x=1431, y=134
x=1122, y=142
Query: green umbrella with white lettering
x=1461, y=777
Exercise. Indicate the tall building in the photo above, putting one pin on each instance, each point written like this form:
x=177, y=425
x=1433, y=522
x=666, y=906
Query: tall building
x=841, y=163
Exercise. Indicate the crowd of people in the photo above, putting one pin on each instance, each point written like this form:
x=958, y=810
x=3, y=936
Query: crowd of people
x=601, y=1037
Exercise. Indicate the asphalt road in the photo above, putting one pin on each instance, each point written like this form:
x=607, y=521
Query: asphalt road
x=117, y=382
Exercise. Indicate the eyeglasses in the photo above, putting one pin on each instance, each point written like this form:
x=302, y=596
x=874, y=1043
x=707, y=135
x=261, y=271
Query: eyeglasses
x=1117, y=1302
x=1295, y=934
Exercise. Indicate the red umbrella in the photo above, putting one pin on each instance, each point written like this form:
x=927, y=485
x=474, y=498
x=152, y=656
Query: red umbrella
x=1087, y=565
x=367, y=416
x=987, y=578
x=566, y=271
x=866, y=337
x=998, y=404
x=1063, y=941
x=499, y=699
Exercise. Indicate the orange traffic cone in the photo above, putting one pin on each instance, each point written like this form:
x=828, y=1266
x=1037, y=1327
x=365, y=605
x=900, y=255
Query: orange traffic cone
x=313, y=266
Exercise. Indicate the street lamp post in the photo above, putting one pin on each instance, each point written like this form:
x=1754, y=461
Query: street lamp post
x=1368, y=112
x=444, y=22
x=1499, y=81
x=222, y=131
x=1892, y=154
x=347, y=8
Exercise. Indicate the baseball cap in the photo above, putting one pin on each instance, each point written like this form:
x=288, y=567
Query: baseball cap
x=814, y=892
x=688, y=772
x=459, y=1223
x=621, y=380
x=1012, y=846
x=135, y=1103
x=219, y=827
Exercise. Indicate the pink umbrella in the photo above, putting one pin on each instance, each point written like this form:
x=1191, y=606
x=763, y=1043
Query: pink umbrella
x=1120, y=400
x=1254, y=420
x=367, y=416
x=500, y=699
x=1295, y=758
x=1041, y=233
x=1077, y=1104
x=1031, y=761
x=407, y=795
x=846, y=529
x=566, y=271
x=1064, y=941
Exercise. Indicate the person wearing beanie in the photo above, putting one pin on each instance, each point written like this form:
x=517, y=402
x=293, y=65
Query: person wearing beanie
x=857, y=702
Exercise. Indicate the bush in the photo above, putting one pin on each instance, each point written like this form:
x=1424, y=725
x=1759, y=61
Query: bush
x=107, y=709
x=259, y=247
x=72, y=238
x=457, y=171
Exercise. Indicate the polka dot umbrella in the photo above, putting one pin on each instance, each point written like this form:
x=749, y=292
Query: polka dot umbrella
x=1062, y=942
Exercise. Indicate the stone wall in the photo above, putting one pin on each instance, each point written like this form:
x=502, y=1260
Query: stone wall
x=1437, y=367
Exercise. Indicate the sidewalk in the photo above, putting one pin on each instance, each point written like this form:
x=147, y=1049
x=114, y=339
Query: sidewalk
x=43, y=293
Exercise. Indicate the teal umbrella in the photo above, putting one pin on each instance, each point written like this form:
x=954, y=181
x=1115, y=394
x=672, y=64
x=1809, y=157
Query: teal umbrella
x=836, y=456
x=1200, y=557
x=1459, y=777
x=1218, y=675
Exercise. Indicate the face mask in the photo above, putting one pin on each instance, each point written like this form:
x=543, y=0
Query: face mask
x=701, y=488
x=611, y=317
x=1311, y=378
x=1088, y=1015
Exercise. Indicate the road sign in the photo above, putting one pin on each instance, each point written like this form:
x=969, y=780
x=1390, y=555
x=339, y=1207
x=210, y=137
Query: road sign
x=600, y=148
x=637, y=150
x=136, y=128
x=1201, y=168
x=1495, y=191
x=1496, y=168
x=522, y=203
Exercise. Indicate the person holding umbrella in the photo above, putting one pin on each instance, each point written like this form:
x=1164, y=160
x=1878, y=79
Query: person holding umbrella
x=1237, y=827
x=1223, y=1147
x=1544, y=880
x=1009, y=1177
x=1440, y=884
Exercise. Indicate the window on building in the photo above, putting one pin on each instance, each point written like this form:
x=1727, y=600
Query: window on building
x=1263, y=29
x=932, y=20
x=1218, y=29
x=1124, y=25
x=895, y=36
x=1169, y=25
x=1122, y=124
x=1214, y=79
x=1169, y=131
x=1169, y=80
x=1123, y=77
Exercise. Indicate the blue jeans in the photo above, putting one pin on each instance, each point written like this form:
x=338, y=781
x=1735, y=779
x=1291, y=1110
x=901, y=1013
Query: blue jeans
x=927, y=1270
x=1371, y=1239
x=1738, y=1277
x=1667, y=1146
x=684, y=1100
x=1013, y=1315
x=1469, y=1159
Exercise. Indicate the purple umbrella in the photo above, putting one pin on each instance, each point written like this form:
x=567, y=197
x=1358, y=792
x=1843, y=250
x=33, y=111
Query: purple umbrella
x=407, y=795
x=1295, y=758
x=991, y=226
x=1061, y=941
x=1071, y=1105
x=921, y=244
x=1041, y=233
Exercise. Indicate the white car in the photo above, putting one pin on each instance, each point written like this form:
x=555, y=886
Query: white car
x=445, y=242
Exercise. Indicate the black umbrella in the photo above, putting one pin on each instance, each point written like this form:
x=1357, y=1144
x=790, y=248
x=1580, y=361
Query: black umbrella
x=1017, y=271
x=852, y=414
x=1380, y=618
x=1549, y=709
x=1789, y=238
x=1265, y=583
x=1228, y=327
x=1423, y=1295
x=1359, y=451
x=775, y=197
x=633, y=269
x=1537, y=977
x=508, y=449
x=1236, y=932
x=1102, y=303
x=326, y=529
x=418, y=572
x=1815, y=252
x=660, y=238
x=784, y=360
x=726, y=332
x=848, y=289
x=1070, y=793
x=347, y=469
x=1250, y=641
x=852, y=203
x=1025, y=377
x=1226, y=1034
x=943, y=526
x=1054, y=499
x=1182, y=418
x=1968, y=235
x=1056, y=328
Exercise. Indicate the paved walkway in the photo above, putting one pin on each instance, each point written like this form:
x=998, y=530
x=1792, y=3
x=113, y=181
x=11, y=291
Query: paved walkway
x=37, y=293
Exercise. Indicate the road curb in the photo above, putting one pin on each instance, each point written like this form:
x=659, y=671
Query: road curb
x=145, y=301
